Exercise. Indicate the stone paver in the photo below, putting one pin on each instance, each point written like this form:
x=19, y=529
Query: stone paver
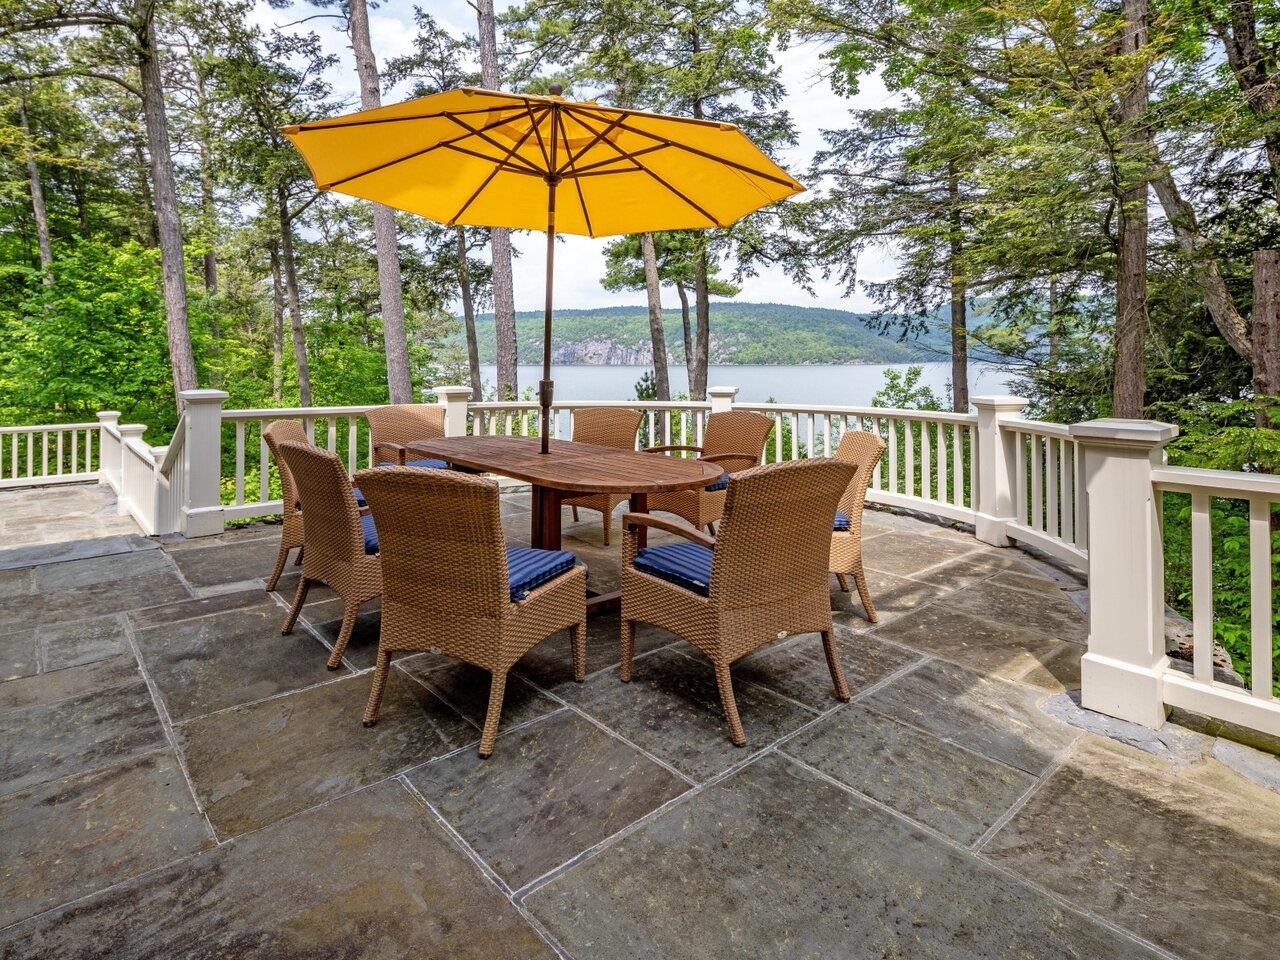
x=187, y=609
x=1117, y=831
x=776, y=863
x=82, y=641
x=561, y=786
x=229, y=658
x=466, y=689
x=367, y=876
x=892, y=596
x=905, y=554
x=74, y=836
x=255, y=764
x=228, y=562
x=1052, y=613
x=18, y=654
x=550, y=663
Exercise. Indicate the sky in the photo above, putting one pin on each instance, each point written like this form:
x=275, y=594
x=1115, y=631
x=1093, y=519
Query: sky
x=580, y=260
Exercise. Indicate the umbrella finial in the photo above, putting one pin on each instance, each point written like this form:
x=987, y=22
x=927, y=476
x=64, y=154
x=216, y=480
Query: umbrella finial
x=555, y=89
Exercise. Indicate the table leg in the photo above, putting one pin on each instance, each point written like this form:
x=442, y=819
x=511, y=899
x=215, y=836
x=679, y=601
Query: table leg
x=640, y=504
x=544, y=531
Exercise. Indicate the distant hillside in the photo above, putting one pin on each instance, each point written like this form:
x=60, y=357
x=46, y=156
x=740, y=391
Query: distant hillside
x=746, y=333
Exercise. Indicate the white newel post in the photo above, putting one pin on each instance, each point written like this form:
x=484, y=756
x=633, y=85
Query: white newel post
x=454, y=400
x=202, y=450
x=110, y=450
x=1121, y=675
x=721, y=398
x=995, y=458
x=132, y=489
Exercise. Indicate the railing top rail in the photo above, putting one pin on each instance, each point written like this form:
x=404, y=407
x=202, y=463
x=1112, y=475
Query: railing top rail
x=51, y=427
x=1037, y=426
x=941, y=416
x=174, y=448
x=1224, y=483
x=141, y=449
x=491, y=405
x=285, y=413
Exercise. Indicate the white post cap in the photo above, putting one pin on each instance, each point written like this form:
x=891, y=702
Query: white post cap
x=722, y=391
x=450, y=393
x=999, y=403
x=1114, y=430
x=203, y=396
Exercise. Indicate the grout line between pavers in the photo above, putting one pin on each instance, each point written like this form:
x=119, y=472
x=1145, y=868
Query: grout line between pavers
x=987, y=862
x=1016, y=807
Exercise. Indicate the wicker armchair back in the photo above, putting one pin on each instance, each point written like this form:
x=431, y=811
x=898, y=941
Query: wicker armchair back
x=865, y=450
x=393, y=427
x=736, y=431
x=607, y=426
x=278, y=432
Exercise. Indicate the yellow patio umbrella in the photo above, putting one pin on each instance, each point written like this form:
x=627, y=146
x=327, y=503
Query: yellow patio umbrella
x=491, y=159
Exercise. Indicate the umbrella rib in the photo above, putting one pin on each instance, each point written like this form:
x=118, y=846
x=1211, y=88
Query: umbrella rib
x=701, y=153
x=533, y=122
x=509, y=167
x=480, y=132
x=642, y=168
x=334, y=125
x=572, y=162
x=487, y=180
x=582, y=202
x=590, y=170
x=420, y=153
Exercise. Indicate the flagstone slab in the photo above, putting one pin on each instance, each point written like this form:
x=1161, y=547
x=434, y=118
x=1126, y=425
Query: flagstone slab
x=251, y=559
x=466, y=689
x=1051, y=613
x=46, y=742
x=16, y=582
x=671, y=708
x=192, y=608
x=979, y=643
x=797, y=668
x=95, y=571
x=1140, y=842
x=39, y=549
x=368, y=876
x=995, y=718
x=73, y=836
x=256, y=764
x=905, y=554
x=550, y=663
x=49, y=688
x=69, y=600
x=550, y=791
x=890, y=595
x=954, y=791
x=18, y=654
x=325, y=617
x=82, y=641
x=774, y=862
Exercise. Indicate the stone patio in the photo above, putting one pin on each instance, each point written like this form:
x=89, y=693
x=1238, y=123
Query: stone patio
x=179, y=780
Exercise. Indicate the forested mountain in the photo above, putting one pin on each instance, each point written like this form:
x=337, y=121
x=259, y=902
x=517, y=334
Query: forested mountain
x=740, y=333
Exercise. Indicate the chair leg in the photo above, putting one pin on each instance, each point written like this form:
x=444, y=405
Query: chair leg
x=843, y=581
x=833, y=664
x=608, y=522
x=711, y=528
x=379, y=684
x=299, y=599
x=578, y=641
x=864, y=594
x=349, y=614
x=575, y=514
x=298, y=560
x=281, y=559
x=628, y=649
x=725, y=682
x=497, y=687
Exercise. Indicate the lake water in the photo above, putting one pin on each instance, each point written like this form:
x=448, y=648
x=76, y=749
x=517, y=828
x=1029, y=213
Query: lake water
x=836, y=385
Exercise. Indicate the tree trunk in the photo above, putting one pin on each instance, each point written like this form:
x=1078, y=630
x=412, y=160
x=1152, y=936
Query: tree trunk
x=504, y=304
x=702, y=352
x=390, y=290
x=1266, y=334
x=147, y=229
x=295, y=304
x=469, y=316
x=653, y=292
x=959, y=291
x=168, y=226
x=208, y=215
x=1052, y=328
x=689, y=363
x=38, y=210
x=277, y=327
x=1129, y=376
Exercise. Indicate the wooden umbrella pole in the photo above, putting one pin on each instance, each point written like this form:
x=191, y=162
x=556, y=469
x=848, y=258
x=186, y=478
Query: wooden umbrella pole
x=546, y=388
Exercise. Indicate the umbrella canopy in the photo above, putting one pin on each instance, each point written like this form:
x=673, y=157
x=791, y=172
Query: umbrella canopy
x=491, y=159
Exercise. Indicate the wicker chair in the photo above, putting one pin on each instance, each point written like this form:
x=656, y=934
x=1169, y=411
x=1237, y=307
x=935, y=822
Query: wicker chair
x=340, y=546
x=452, y=584
x=733, y=440
x=608, y=427
x=762, y=579
x=864, y=450
x=392, y=428
x=286, y=431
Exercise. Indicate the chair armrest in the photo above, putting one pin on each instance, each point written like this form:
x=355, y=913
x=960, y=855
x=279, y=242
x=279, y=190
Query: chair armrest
x=751, y=459
x=630, y=521
x=672, y=447
x=395, y=449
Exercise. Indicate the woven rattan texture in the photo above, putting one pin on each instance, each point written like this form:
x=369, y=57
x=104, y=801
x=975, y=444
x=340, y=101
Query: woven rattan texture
x=608, y=427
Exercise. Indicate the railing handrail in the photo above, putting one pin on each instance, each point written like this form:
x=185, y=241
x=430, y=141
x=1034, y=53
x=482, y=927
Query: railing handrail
x=1040, y=427
x=282, y=413
x=174, y=448
x=1224, y=483
x=51, y=427
x=491, y=405
x=936, y=416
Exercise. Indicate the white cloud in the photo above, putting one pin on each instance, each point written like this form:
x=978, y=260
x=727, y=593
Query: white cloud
x=580, y=260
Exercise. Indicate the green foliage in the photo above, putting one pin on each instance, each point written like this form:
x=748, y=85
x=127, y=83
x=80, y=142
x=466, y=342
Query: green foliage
x=902, y=390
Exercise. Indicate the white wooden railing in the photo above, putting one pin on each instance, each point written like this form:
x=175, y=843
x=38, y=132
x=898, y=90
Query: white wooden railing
x=1088, y=494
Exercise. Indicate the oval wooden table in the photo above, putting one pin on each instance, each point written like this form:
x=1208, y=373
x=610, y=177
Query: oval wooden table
x=570, y=468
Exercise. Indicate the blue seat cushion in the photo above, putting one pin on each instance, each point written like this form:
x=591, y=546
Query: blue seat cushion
x=685, y=564
x=426, y=464
x=370, y=534
x=720, y=484
x=842, y=523
x=355, y=490
x=529, y=568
